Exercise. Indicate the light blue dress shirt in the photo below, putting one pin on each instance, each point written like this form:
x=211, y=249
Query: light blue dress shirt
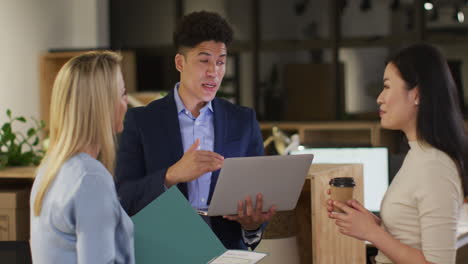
x=191, y=129
x=81, y=219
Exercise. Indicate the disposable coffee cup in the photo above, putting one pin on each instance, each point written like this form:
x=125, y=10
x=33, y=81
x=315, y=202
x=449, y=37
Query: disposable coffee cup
x=341, y=189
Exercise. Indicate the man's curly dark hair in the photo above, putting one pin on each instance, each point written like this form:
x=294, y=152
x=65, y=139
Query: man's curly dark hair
x=201, y=26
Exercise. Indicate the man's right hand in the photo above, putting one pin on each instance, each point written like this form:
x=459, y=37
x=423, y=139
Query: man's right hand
x=193, y=164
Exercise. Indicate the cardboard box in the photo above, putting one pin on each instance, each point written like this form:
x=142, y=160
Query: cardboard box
x=14, y=214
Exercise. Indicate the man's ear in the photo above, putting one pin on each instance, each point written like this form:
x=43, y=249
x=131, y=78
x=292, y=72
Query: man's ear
x=414, y=93
x=179, y=62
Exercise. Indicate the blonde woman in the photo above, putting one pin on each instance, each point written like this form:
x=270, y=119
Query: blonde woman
x=76, y=216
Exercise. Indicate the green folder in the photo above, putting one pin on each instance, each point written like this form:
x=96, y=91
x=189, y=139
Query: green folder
x=169, y=231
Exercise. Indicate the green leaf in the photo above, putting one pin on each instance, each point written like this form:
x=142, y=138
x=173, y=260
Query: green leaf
x=14, y=150
x=27, y=157
x=37, y=159
x=9, y=137
x=6, y=128
x=43, y=124
x=21, y=119
x=8, y=112
x=36, y=141
x=31, y=132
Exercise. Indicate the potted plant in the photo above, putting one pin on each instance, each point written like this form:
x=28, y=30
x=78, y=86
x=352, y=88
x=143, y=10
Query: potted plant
x=18, y=149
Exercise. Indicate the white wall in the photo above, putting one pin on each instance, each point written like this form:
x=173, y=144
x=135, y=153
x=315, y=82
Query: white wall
x=30, y=27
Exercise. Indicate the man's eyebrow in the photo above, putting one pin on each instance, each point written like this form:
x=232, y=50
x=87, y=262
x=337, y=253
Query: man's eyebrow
x=202, y=53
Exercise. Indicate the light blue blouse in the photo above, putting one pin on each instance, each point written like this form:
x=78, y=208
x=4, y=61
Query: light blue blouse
x=81, y=219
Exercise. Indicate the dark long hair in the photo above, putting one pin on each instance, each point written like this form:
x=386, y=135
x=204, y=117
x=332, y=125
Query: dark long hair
x=440, y=120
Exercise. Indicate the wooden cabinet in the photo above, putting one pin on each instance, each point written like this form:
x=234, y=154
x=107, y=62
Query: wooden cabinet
x=14, y=214
x=51, y=62
x=15, y=184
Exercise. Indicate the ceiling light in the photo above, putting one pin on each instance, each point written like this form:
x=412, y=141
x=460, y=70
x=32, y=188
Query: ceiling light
x=461, y=17
x=458, y=15
x=428, y=5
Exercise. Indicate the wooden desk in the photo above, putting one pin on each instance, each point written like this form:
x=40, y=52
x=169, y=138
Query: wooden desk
x=27, y=173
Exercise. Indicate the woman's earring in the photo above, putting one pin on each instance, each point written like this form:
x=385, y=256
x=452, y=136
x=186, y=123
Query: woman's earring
x=416, y=103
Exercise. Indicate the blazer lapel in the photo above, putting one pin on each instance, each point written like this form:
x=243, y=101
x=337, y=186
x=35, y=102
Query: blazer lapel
x=171, y=125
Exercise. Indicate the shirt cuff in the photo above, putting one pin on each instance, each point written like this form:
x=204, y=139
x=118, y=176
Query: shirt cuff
x=252, y=237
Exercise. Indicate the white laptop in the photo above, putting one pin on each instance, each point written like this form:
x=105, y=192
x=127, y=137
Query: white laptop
x=278, y=178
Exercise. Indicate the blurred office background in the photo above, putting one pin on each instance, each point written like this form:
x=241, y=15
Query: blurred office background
x=302, y=60
x=311, y=67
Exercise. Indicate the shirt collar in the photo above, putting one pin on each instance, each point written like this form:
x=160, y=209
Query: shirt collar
x=180, y=105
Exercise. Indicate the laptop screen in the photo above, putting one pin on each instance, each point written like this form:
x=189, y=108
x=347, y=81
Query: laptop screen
x=375, y=163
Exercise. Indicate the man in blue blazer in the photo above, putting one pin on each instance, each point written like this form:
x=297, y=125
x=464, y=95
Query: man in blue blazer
x=183, y=138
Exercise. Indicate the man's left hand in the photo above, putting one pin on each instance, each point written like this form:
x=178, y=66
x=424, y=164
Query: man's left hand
x=251, y=218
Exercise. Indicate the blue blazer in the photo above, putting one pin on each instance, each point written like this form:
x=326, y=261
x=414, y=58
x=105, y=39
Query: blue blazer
x=151, y=142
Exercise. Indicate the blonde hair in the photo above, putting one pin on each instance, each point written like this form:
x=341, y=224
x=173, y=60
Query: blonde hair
x=83, y=100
